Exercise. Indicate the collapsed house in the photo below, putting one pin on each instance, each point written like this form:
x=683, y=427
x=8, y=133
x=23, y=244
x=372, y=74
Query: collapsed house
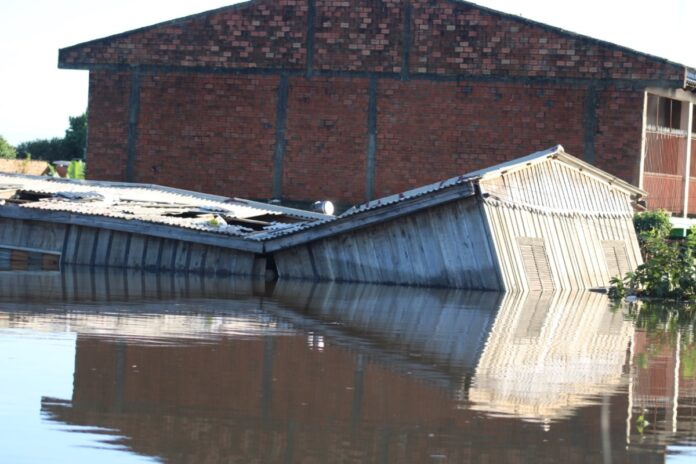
x=541, y=222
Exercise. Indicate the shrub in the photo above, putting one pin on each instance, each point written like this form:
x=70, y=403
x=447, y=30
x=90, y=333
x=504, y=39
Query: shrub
x=668, y=271
x=656, y=222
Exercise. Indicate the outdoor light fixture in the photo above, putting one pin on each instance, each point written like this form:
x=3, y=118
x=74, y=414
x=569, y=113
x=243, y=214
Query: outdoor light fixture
x=324, y=206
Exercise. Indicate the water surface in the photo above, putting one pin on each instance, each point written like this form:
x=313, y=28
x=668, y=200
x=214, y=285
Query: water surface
x=136, y=367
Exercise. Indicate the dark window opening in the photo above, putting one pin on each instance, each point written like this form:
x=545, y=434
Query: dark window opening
x=664, y=112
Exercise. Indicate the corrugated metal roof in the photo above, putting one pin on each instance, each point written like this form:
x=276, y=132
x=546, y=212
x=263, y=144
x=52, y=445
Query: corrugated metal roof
x=156, y=204
x=464, y=178
x=149, y=203
x=275, y=232
x=145, y=192
x=497, y=170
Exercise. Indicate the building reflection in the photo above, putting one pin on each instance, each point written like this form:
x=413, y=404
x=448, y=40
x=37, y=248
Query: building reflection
x=344, y=373
x=662, y=389
x=549, y=354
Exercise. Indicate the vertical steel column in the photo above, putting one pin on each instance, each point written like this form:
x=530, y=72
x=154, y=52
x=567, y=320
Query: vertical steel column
x=687, y=162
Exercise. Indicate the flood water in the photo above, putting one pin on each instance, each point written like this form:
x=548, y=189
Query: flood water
x=130, y=367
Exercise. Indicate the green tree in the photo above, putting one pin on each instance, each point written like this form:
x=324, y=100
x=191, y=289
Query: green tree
x=75, y=140
x=656, y=222
x=70, y=147
x=43, y=149
x=6, y=150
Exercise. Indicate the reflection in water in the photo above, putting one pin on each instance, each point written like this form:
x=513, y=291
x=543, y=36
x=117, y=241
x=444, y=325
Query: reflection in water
x=192, y=370
x=549, y=354
x=663, y=389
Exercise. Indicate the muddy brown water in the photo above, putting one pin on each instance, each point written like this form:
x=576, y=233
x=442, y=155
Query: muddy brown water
x=115, y=367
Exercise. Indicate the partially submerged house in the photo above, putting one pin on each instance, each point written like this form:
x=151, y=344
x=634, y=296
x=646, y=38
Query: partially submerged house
x=352, y=101
x=541, y=222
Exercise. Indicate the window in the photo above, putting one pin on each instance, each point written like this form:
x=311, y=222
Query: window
x=536, y=263
x=616, y=257
x=664, y=112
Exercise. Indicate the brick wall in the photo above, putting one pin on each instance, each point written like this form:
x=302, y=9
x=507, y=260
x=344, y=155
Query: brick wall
x=459, y=87
x=451, y=37
x=108, y=125
x=327, y=139
x=359, y=35
x=619, y=131
x=453, y=128
x=209, y=133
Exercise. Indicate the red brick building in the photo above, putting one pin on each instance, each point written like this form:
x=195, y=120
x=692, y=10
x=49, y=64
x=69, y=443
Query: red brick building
x=352, y=100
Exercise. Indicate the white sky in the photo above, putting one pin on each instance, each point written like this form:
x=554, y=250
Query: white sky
x=36, y=97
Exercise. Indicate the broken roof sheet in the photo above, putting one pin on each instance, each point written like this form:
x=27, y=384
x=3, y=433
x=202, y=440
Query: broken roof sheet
x=151, y=203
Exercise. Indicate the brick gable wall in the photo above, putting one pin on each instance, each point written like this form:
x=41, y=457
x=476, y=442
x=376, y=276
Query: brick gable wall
x=348, y=100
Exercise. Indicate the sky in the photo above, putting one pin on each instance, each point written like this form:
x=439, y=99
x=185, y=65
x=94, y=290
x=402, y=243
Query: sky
x=36, y=98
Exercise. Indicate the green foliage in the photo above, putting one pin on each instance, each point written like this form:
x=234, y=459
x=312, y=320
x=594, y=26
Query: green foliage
x=76, y=170
x=617, y=288
x=70, y=147
x=75, y=140
x=44, y=149
x=7, y=150
x=655, y=315
x=641, y=423
x=656, y=222
x=668, y=270
x=688, y=362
